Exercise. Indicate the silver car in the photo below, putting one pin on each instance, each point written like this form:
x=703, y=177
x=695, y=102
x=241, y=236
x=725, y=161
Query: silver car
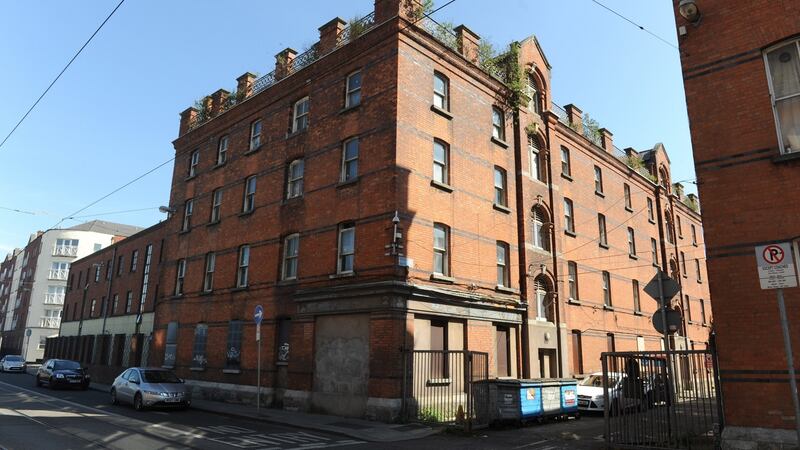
x=145, y=387
x=12, y=363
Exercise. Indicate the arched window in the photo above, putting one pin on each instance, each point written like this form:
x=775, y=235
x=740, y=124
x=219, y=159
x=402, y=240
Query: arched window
x=537, y=168
x=532, y=91
x=669, y=231
x=663, y=178
x=541, y=228
x=544, y=304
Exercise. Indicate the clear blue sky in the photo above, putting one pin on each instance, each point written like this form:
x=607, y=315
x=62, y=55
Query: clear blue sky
x=114, y=113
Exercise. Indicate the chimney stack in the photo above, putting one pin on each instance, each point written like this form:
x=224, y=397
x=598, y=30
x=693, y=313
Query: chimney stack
x=329, y=35
x=188, y=117
x=244, y=86
x=468, y=43
x=607, y=140
x=218, y=100
x=575, y=116
x=387, y=9
x=284, y=62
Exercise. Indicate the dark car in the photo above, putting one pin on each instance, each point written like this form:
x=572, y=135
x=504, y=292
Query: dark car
x=63, y=373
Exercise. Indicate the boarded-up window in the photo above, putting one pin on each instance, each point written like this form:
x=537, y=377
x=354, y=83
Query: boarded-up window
x=577, y=352
x=171, y=345
x=502, y=352
x=438, y=342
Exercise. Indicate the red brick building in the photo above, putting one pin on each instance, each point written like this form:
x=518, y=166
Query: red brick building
x=391, y=189
x=741, y=73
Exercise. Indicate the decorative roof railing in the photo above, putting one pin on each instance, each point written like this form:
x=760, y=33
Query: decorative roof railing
x=355, y=29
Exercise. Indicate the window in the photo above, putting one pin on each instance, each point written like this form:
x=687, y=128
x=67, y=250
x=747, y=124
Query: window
x=651, y=216
x=350, y=160
x=610, y=344
x=601, y=225
x=503, y=279
x=500, y=194
x=607, y=289
x=353, y=94
x=498, y=124
x=637, y=303
x=697, y=269
x=702, y=311
x=300, y=121
x=194, y=159
x=572, y=280
x=540, y=290
x=566, y=167
x=233, y=351
x=347, y=248
x=627, y=190
x=199, y=360
x=441, y=91
x=670, y=233
x=537, y=171
x=244, y=266
x=66, y=247
x=109, y=269
x=216, y=205
x=120, y=264
x=598, y=180
x=503, y=351
x=631, y=242
x=783, y=66
x=688, y=304
x=569, y=216
x=97, y=272
x=187, y=215
x=291, y=250
x=255, y=135
x=683, y=265
x=438, y=342
x=294, y=179
x=180, y=274
x=134, y=260
x=94, y=306
x=654, y=251
x=148, y=258
x=208, y=278
x=694, y=235
x=441, y=258
x=441, y=154
x=680, y=228
x=171, y=345
x=128, y=302
x=249, y=194
x=541, y=229
x=222, y=150
x=577, y=353
x=282, y=343
x=115, y=304
x=535, y=100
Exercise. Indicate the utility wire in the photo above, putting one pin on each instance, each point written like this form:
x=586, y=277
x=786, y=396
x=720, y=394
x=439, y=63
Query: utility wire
x=636, y=25
x=18, y=211
x=60, y=73
x=112, y=213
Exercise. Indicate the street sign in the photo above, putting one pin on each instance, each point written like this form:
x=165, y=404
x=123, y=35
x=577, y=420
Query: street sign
x=670, y=287
x=28, y=332
x=258, y=316
x=776, y=266
x=674, y=320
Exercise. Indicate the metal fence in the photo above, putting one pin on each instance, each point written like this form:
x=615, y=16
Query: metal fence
x=447, y=387
x=660, y=400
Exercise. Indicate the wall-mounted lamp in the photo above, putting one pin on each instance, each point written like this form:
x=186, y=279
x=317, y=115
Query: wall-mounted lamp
x=688, y=10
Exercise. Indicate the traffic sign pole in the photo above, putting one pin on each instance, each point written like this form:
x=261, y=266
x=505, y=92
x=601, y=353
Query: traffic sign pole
x=258, y=371
x=671, y=402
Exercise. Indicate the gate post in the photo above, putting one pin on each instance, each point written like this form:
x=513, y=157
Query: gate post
x=404, y=401
x=470, y=390
x=607, y=405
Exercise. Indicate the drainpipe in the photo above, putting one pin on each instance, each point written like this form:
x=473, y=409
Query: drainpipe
x=523, y=264
x=556, y=304
x=110, y=271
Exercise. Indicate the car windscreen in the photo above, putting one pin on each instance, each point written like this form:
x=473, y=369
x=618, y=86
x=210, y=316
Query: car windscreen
x=14, y=358
x=597, y=381
x=66, y=365
x=160, y=376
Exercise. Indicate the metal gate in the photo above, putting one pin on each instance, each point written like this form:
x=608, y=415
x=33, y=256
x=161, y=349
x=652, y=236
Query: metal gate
x=447, y=387
x=661, y=400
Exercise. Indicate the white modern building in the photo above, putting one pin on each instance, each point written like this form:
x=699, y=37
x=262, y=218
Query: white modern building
x=39, y=279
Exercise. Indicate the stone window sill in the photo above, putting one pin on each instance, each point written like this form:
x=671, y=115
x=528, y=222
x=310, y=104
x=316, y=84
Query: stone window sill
x=570, y=233
x=443, y=186
x=442, y=112
x=638, y=313
x=186, y=231
x=602, y=245
x=574, y=301
x=608, y=308
x=600, y=194
x=218, y=165
x=651, y=221
x=287, y=282
x=500, y=142
x=190, y=177
x=786, y=157
x=442, y=278
x=294, y=134
x=246, y=213
x=213, y=223
x=501, y=208
x=347, y=109
x=334, y=276
x=350, y=182
x=506, y=290
x=566, y=176
x=629, y=209
x=634, y=257
x=240, y=288
x=252, y=150
x=231, y=371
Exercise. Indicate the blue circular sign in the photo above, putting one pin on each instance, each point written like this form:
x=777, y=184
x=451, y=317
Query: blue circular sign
x=258, y=316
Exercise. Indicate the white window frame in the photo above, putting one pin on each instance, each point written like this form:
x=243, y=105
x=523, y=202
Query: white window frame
x=290, y=260
x=443, y=165
x=535, y=151
x=541, y=299
x=194, y=160
x=188, y=209
x=208, y=275
x=180, y=276
x=255, y=135
x=651, y=213
x=626, y=188
x=442, y=251
x=343, y=253
x=606, y=283
x=602, y=230
x=222, y=150
x=569, y=215
x=500, y=192
x=294, y=181
x=504, y=277
x=498, y=124
x=572, y=280
x=442, y=97
x=249, y=201
x=566, y=163
x=654, y=251
x=350, y=92
x=300, y=112
x=631, y=242
x=243, y=267
x=598, y=179
x=216, y=205
x=348, y=162
x=773, y=98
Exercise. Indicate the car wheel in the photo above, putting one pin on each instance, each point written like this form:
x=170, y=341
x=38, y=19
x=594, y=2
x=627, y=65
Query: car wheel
x=138, y=404
x=114, y=400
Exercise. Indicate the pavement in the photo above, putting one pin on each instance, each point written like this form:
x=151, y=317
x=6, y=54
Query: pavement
x=356, y=428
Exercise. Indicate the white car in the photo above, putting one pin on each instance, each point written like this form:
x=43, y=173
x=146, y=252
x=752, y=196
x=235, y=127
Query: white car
x=590, y=393
x=12, y=363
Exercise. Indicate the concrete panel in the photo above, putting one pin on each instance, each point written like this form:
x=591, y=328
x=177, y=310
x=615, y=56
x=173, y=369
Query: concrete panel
x=422, y=334
x=341, y=365
x=455, y=336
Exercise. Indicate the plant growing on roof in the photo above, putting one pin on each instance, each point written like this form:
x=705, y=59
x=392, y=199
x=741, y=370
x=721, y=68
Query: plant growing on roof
x=356, y=27
x=423, y=8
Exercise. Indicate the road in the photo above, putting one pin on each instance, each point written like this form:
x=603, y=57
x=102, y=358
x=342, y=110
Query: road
x=43, y=419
